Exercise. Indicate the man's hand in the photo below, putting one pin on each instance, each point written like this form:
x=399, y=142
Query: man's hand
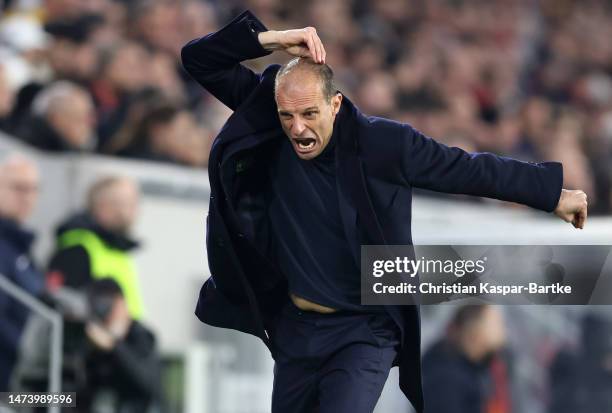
x=298, y=42
x=572, y=207
x=100, y=336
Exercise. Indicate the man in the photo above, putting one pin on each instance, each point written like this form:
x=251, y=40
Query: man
x=18, y=194
x=62, y=119
x=581, y=379
x=465, y=368
x=96, y=243
x=7, y=98
x=299, y=180
x=123, y=368
x=109, y=359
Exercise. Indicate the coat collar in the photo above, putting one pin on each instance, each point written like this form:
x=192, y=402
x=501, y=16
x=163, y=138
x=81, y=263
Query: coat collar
x=16, y=235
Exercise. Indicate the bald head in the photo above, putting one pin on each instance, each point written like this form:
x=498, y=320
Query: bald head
x=113, y=202
x=301, y=68
x=19, y=183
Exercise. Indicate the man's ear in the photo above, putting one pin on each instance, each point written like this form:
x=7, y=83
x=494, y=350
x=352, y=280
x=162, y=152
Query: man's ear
x=336, y=102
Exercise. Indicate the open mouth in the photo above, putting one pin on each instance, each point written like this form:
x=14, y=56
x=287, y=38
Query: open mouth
x=305, y=144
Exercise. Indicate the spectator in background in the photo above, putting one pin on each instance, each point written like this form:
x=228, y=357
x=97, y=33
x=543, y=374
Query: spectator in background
x=155, y=133
x=463, y=372
x=109, y=359
x=122, y=75
x=163, y=131
x=23, y=46
x=18, y=194
x=62, y=119
x=96, y=243
x=7, y=97
x=122, y=367
x=581, y=381
x=72, y=54
x=157, y=24
x=52, y=10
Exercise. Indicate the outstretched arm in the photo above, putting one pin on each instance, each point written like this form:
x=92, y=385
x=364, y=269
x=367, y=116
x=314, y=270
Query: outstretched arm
x=214, y=60
x=432, y=165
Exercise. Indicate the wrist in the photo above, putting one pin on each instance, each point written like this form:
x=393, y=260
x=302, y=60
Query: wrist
x=269, y=40
x=561, y=199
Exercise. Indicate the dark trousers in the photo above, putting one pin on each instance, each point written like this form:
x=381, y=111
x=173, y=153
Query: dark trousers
x=328, y=363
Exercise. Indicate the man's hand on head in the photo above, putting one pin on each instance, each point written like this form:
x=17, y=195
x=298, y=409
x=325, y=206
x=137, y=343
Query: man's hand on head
x=297, y=42
x=572, y=207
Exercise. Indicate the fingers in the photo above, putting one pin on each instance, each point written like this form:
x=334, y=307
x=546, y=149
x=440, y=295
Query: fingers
x=580, y=216
x=305, y=43
x=315, y=46
x=311, y=45
x=579, y=220
x=582, y=213
x=319, y=47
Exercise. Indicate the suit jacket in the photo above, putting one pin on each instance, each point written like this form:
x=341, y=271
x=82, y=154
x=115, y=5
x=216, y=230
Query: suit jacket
x=378, y=161
x=17, y=267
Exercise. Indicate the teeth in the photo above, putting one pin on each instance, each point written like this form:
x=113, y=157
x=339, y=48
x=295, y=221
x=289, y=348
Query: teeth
x=306, y=147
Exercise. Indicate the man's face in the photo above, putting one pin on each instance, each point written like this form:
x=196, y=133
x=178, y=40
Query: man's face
x=18, y=190
x=492, y=331
x=117, y=208
x=75, y=120
x=306, y=116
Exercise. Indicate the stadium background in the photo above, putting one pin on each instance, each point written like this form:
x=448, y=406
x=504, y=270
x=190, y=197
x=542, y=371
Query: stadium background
x=528, y=79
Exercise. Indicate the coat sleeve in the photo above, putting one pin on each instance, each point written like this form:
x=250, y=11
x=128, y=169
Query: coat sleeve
x=214, y=60
x=10, y=331
x=72, y=266
x=430, y=165
x=138, y=361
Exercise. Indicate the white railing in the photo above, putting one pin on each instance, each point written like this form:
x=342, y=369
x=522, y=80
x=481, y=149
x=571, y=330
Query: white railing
x=57, y=326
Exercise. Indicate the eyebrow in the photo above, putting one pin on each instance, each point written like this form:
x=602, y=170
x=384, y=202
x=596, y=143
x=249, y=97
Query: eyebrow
x=309, y=109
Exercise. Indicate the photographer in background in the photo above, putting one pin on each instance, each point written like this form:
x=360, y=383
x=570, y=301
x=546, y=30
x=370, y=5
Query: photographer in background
x=109, y=359
x=123, y=368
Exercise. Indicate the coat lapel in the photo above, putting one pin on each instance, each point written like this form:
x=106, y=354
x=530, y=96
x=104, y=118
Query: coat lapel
x=353, y=193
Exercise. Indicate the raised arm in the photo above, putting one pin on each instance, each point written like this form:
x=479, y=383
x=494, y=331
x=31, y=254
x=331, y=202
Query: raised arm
x=431, y=165
x=214, y=60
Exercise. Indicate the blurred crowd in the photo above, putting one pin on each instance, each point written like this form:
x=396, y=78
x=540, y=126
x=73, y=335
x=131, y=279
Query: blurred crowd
x=528, y=79
x=473, y=368
x=109, y=357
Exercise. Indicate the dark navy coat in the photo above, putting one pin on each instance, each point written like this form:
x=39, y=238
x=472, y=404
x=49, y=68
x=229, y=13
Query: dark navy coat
x=378, y=161
x=15, y=264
